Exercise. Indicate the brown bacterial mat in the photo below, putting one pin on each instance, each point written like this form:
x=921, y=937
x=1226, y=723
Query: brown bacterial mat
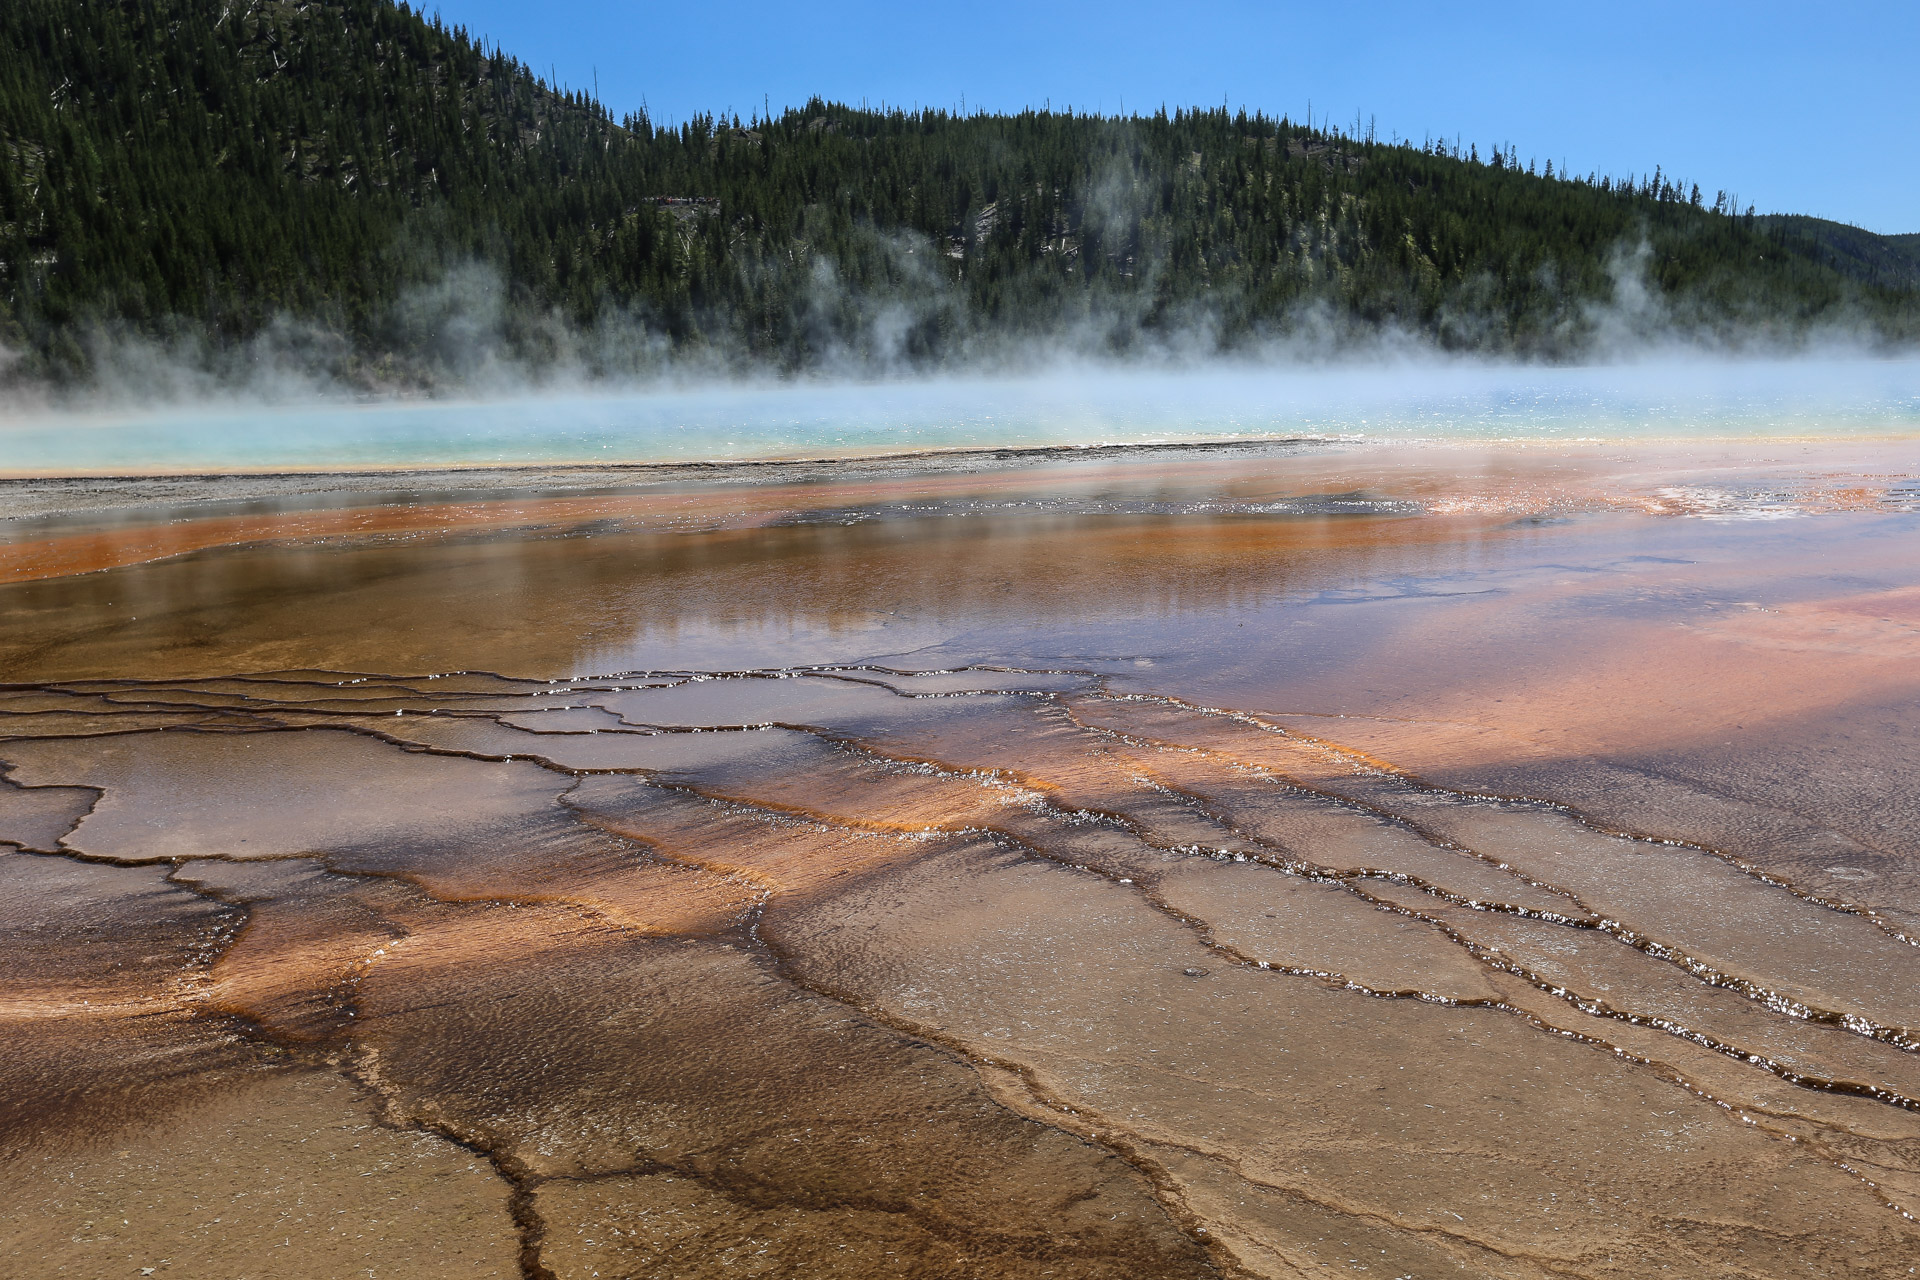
x=1309, y=865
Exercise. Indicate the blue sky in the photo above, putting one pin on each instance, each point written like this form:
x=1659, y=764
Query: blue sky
x=1805, y=108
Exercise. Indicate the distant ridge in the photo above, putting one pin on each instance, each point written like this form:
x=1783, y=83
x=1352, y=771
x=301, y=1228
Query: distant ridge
x=1875, y=259
x=357, y=190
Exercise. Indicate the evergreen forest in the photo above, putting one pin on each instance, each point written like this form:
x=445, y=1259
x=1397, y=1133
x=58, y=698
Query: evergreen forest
x=390, y=199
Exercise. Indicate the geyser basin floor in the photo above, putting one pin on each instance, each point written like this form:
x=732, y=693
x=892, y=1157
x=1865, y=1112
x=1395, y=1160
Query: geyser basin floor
x=1271, y=864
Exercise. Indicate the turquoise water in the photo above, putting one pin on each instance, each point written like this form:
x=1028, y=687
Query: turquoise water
x=1841, y=398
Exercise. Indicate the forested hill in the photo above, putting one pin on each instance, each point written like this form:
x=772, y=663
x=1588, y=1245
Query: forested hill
x=398, y=201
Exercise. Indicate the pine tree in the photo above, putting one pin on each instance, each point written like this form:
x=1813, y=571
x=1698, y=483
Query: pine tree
x=181, y=166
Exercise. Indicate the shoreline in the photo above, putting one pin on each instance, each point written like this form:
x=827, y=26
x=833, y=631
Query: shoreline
x=28, y=496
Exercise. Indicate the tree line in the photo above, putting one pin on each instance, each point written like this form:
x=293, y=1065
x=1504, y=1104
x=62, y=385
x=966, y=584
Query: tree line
x=210, y=171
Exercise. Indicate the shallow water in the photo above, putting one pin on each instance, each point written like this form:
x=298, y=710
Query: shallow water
x=1837, y=397
x=1293, y=863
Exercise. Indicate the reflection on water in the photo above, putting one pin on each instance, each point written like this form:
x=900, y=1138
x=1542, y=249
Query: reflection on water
x=734, y=599
x=1181, y=875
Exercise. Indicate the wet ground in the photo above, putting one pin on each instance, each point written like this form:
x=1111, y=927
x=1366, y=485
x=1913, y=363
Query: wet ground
x=1300, y=862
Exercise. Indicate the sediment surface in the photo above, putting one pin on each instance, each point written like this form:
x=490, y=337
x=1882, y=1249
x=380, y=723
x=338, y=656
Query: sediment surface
x=1244, y=866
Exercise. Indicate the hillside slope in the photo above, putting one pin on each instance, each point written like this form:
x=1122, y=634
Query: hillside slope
x=397, y=203
x=1893, y=261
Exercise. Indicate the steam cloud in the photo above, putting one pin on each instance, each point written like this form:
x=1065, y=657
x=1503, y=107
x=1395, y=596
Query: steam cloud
x=461, y=334
x=477, y=379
